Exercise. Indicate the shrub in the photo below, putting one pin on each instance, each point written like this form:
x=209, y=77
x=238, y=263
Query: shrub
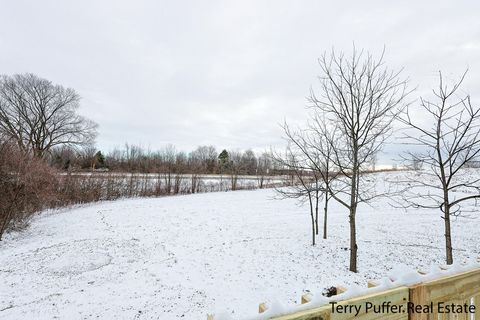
x=27, y=184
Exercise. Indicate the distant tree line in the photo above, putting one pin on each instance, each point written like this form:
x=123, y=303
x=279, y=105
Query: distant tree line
x=133, y=158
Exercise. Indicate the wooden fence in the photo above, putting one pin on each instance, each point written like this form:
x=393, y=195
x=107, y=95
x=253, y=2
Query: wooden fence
x=430, y=300
x=462, y=289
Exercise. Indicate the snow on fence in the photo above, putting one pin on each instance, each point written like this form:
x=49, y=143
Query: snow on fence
x=447, y=292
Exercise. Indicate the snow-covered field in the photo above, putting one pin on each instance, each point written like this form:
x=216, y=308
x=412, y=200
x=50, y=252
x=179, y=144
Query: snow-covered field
x=186, y=256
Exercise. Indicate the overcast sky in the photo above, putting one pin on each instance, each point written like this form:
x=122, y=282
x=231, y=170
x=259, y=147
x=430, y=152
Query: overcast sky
x=224, y=73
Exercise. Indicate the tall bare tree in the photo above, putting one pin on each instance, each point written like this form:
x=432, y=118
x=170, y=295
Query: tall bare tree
x=451, y=142
x=304, y=185
x=322, y=139
x=304, y=161
x=309, y=156
x=39, y=115
x=361, y=98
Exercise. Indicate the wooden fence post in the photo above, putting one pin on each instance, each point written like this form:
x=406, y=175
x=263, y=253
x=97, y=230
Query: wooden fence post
x=418, y=296
x=306, y=298
x=262, y=307
x=340, y=289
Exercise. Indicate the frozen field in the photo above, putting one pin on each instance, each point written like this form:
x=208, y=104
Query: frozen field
x=182, y=257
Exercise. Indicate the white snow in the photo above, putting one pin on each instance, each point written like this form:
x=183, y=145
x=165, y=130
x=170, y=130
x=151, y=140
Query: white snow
x=223, y=253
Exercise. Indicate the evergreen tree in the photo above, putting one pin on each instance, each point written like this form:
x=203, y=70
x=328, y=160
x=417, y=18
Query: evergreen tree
x=99, y=159
x=223, y=159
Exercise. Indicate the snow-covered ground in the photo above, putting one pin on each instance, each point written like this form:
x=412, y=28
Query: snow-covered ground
x=186, y=256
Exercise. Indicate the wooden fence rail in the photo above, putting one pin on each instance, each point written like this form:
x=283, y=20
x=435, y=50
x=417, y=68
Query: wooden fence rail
x=460, y=290
x=397, y=296
x=451, y=297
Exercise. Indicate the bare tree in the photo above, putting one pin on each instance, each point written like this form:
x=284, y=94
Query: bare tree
x=204, y=158
x=317, y=150
x=451, y=142
x=415, y=162
x=302, y=185
x=361, y=98
x=39, y=115
x=264, y=167
x=87, y=157
x=310, y=157
x=234, y=168
x=168, y=168
x=323, y=141
x=249, y=162
x=63, y=157
x=201, y=161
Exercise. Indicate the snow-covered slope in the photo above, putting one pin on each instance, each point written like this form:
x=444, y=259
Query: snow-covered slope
x=186, y=256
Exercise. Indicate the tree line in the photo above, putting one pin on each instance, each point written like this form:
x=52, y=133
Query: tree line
x=133, y=158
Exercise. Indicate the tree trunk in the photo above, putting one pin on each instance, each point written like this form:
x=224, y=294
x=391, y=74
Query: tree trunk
x=353, y=241
x=313, y=231
x=448, y=235
x=194, y=183
x=316, y=212
x=446, y=209
x=325, y=216
x=353, y=211
x=312, y=218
